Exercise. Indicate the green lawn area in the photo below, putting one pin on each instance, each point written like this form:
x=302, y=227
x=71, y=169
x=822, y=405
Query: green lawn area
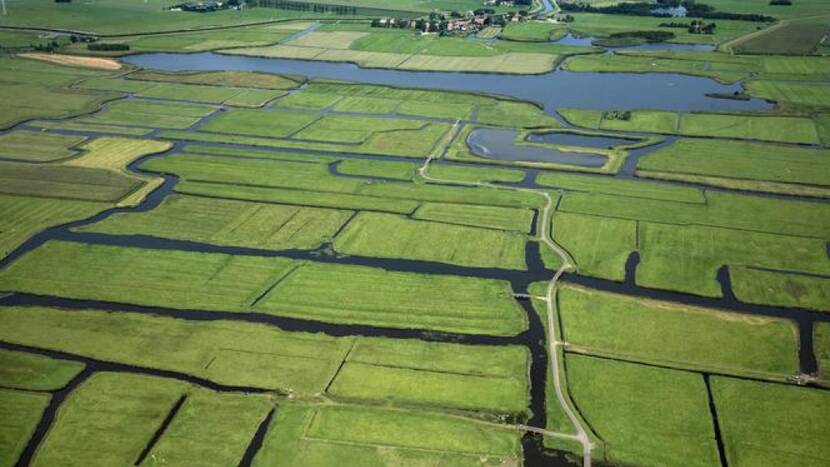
x=736, y=162
x=651, y=331
x=243, y=79
x=26, y=371
x=150, y=114
x=533, y=31
x=805, y=94
x=772, y=424
x=821, y=346
x=176, y=279
x=20, y=412
x=491, y=217
x=350, y=294
x=686, y=258
x=323, y=436
x=259, y=123
x=392, y=236
x=23, y=216
x=117, y=17
x=233, y=354
x=30, y=146
x=644, y=415
x=762, y=128
x=210, y=425
x=599, y=245
x=229, y=222
x=130, y=406
x=440, y=375
x=35, y=89
x=378, y=168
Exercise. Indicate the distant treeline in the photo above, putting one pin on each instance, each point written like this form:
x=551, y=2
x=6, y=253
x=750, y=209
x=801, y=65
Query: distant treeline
x=693, y=9
x=648, y=36
x=103, y=46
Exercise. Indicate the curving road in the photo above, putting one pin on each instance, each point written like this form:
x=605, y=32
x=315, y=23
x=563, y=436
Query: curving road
x=545, y=236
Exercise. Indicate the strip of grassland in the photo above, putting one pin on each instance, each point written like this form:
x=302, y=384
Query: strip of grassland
x=449, y=375
x=771, y=423
x=392, y=236
x=229, y=222
x=239, y=283
x=491, y=217
x=600, y=246
x=22, y=216
x=781, y=288
x=651, y=331
x=132, y=406
x=30, y=146
x=741, y=160
x=229, y=353
x=255, y=173
x=150, y=114
x=20, y=370
x=20, y=411
x=803, y=94
x=763, y=128
x=221, y=78
x=318, y=436
x=821, y=343
x=628, y=406
x=349, y=294
x=210, y=425
x=686, y=258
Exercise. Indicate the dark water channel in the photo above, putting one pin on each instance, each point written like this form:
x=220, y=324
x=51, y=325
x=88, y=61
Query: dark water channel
x=600, y=91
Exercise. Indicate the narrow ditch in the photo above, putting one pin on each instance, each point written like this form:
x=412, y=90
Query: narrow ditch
x=713, y=411
x=256, y=442
x=161, y=429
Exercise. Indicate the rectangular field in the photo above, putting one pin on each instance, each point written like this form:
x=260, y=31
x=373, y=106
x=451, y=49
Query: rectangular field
x=651, y=331
x=392, y=236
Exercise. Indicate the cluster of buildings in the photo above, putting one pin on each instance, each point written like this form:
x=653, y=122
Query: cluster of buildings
x=439, y=24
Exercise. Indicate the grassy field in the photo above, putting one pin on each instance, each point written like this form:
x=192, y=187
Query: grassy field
x=681, y=336
x=821, y=343
x=763, y=128
x=229, y=222
x=438, y=375
x=385, y=298
x=321, y=436
x=599, y=245
x=132, y=406
x=686, y=258
x=35, y=89
x=150, y=114
x=490, y=217
x=391, y=236
x=234, y=354
x=802, y=94
x=20, y=412
x=780, y=288
x=243, y=79
x=210, y=425
x=202, y=281
x=597, y=24
x=727, y=163
x=533, y=32
x=771, y=423
x=116, y=17
x=34, y=372
x=644, y=416
x=29, y=146
x=22, y=216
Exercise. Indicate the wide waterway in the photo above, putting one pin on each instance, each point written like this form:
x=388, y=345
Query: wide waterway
x=599, y=91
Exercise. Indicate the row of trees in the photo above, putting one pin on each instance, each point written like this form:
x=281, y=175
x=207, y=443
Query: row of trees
x=342, y=10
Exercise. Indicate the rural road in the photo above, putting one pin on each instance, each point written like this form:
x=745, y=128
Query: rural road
x=545, y=235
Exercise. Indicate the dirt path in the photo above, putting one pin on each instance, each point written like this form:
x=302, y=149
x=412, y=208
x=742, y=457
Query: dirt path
x=545, y=236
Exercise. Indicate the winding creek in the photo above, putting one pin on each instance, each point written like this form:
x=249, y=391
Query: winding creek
x=559, y=89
